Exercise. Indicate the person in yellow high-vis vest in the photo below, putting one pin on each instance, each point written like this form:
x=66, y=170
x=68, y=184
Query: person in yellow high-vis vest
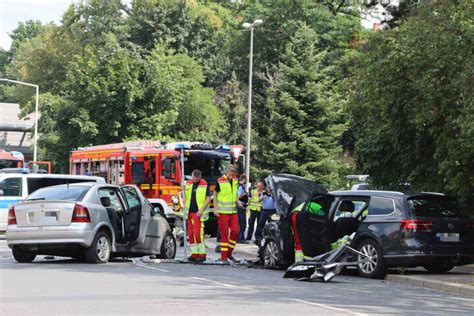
x=197, y=199
x=255, y=208
x=225, y=197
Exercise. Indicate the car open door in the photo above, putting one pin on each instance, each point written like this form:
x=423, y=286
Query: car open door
x=133, y=225
x=291, y=190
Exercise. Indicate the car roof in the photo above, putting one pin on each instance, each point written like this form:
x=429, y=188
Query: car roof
x=368, y=193
x=383, y=193
x=49, y=175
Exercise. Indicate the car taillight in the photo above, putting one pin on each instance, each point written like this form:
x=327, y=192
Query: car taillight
x=11, y=216
x=80, y=214
x=470, y=225
x=416, y=224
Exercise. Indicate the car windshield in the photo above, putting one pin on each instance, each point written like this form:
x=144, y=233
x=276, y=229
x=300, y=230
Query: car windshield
x=66, y=192
x=211, y=167
x=434, y=206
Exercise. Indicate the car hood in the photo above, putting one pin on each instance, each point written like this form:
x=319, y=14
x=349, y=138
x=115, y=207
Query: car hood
x=286, y=187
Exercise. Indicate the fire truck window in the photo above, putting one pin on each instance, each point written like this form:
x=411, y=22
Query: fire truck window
x=169, y=168
x=138, y=172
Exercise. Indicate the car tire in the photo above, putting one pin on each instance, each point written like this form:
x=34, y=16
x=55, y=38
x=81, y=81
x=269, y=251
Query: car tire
x=439, y=267
x=22, y=256
x=168, y=247
x=271, y=254
x=375, y=267
x=100, y=250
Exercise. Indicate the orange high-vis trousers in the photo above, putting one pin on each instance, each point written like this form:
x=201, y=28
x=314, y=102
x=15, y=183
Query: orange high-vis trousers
x=196, y=236
x=228, y=222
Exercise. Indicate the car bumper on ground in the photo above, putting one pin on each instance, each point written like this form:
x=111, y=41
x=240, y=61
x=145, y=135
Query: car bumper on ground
x=76, y=233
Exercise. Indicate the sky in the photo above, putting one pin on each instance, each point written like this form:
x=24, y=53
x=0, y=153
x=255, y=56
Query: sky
x=14, y=11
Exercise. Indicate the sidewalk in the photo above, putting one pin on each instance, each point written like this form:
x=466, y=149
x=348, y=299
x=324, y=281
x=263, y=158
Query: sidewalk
x=459, y=281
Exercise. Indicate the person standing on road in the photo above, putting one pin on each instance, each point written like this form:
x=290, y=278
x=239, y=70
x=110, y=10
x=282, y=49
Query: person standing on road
x=255, y=208
x=198, y=198
x=243, y=197
x=225, y=197
x=268, y=209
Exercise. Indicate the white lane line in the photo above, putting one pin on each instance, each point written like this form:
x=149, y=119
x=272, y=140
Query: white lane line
x=152, y=268
x=342, y=310
x=215, y=282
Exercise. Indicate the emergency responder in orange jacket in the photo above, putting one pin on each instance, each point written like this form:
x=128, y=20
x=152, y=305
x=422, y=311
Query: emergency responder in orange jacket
x=226, y=202
x=197, y=199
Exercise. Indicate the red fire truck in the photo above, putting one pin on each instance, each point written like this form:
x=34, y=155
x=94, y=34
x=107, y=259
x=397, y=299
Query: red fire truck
x=154, y=167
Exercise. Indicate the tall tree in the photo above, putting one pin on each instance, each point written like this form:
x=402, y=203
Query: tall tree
x=411, y=101
x=305, y=110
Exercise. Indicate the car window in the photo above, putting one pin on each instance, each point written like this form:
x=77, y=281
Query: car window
x=320, y=205
x=11, y=186
x=112, y=194
x=132, y=197
x=67, y=192
x=38, y=183
x=434, y=206
x=358, y=205
x=381, y=206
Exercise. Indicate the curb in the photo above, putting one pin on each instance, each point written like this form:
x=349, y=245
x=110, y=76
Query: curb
x=453, y=288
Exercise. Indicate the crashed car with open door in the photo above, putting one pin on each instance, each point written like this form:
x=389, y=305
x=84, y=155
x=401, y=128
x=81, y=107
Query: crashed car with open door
x=325, y=243
x=88, y=221
x=288, y=191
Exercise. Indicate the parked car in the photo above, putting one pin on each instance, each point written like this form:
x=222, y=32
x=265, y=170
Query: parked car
x=16, y=186
x=393, y=228
x=88, y=221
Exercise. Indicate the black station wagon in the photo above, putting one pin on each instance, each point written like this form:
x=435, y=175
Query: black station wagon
x=392, y=228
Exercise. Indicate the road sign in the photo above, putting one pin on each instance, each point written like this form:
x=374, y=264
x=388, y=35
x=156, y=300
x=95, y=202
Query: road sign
x=236, y=151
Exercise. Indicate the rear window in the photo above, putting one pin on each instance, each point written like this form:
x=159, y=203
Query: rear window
x=434, y=206
x=38, y=183
x=69, y=193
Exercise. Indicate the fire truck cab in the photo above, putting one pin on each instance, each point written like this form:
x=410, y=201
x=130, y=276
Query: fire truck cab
x=154, y=167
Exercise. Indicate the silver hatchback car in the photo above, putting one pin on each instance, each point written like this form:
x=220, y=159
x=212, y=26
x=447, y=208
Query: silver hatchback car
x=88, y=221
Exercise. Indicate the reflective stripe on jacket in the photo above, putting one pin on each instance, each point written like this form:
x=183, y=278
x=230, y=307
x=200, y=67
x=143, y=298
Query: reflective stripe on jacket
x=227, y=196
x=255, y=204
x=200, y=195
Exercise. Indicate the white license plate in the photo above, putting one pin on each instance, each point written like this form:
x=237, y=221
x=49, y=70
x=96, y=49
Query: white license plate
x=448, y=237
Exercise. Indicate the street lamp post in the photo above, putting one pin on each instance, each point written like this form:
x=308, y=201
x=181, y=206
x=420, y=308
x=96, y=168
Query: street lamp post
x=251, y=27
x=35, y=150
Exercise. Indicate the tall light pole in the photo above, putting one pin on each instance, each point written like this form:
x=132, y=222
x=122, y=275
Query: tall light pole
x=35, y=150
x=251, y=27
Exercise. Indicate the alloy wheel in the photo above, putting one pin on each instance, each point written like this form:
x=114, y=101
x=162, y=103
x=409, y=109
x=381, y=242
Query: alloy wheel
x=170, y=246
x=271, y=253
x=369, y=265
x=103, y=248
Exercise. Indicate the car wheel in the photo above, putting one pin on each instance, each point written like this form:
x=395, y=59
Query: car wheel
x=99, y=251
x=23, y=256
x=374, y=267
x=168, y=247
x=271, y=254
x=439, y=267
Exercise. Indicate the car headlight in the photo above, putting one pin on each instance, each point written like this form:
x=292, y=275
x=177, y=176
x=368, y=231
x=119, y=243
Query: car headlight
x=275, y=217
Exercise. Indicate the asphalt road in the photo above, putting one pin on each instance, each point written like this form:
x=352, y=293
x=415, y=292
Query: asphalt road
x=65, y=286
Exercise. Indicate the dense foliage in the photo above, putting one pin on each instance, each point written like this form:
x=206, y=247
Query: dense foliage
x=329, y=98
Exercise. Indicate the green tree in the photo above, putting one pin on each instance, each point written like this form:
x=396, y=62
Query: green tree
x=305, y=110
x=411, y=101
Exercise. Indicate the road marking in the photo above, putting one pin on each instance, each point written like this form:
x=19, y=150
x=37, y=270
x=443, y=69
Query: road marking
x=152, y=268
x=342, y=310
x=215, y=282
